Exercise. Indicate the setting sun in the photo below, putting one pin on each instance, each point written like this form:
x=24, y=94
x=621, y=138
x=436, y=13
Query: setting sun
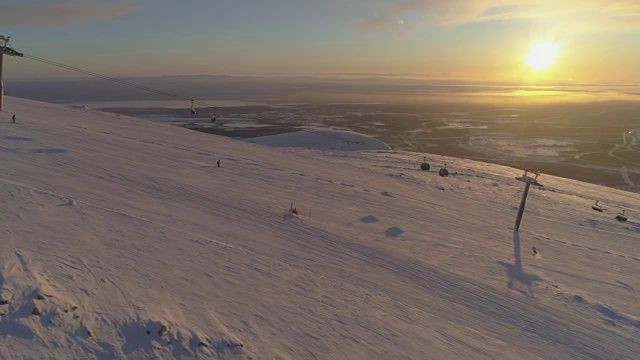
x=542, y=55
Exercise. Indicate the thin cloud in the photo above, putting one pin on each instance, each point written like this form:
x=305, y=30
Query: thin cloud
x=508, y=11
x=585, y=15
x=390, y=15
x=623, y=9
x=60, y=14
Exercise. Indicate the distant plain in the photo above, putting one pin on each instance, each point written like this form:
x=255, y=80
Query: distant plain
x=587, y=132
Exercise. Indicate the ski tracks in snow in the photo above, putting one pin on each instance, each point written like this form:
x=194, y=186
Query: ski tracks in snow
x=521, y=321
x=66, y=199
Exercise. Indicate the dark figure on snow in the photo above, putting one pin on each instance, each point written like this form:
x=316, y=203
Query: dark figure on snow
x=13, y=118
x=535, y=252
x=218, y=162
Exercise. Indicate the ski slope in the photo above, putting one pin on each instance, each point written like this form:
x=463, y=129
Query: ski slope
x=133, y=244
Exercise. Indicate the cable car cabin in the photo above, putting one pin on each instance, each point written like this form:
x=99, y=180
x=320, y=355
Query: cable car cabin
x=621, y=217
x=425, y=165
x=193, y=111
x=444, y=172
x=596, y=207
x=213, y=119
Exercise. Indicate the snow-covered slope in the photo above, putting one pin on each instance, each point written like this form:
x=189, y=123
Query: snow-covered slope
x=322, y=139
x=132, y=244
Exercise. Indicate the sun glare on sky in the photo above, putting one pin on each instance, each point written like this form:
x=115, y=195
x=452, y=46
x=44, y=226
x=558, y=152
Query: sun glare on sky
x=542, y=55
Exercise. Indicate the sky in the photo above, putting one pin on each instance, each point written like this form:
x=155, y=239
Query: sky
x=486, y=40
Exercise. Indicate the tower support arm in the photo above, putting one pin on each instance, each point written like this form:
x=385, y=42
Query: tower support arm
x=9, y=51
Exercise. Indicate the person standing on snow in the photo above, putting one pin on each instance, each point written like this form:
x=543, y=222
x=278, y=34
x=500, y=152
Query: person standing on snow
x=13, y=118
x=218, y=162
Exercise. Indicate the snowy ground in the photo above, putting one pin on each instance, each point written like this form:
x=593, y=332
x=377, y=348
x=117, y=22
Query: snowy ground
x=113, y=228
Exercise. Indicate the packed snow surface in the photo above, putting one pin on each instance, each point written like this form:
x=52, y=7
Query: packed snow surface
x=122, y=239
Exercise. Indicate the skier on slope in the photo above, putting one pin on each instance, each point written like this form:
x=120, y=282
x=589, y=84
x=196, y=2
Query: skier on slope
x=13, y=119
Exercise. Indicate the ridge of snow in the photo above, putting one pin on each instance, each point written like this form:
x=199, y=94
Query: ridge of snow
x=133, y=244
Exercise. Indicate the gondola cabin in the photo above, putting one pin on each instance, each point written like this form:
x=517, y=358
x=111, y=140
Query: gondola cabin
x=444, y=172
x=596, y=207
x=425, y=165
x=621, y=217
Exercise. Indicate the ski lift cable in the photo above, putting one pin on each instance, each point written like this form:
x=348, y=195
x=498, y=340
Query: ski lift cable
x=119, y=81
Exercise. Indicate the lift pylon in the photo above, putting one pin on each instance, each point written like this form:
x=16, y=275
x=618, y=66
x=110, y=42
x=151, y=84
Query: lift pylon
x=528, y=181
x=5, y=49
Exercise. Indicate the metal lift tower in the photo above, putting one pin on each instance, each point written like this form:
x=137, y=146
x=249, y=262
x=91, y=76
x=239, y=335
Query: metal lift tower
x=528, y=181
x=5, y=50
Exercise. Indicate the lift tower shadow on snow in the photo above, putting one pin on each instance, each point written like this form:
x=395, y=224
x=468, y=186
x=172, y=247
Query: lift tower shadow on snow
x=5, y=49
x=528, y=181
